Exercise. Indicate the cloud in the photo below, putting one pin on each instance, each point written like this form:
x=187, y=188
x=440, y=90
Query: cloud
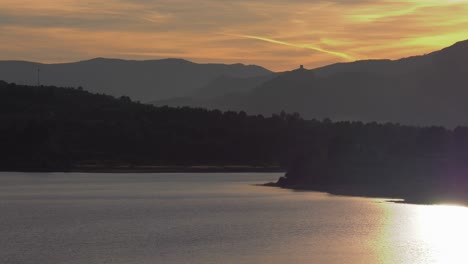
x=278, y=34
x=302, y=46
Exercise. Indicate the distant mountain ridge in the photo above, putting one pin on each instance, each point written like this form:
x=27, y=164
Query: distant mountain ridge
x=141, y=80
x=219, y=87
x=431, y=89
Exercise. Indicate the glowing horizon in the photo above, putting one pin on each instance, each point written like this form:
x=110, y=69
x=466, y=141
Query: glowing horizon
x=276, y=34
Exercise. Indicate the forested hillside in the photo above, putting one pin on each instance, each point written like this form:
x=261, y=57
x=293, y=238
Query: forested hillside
x=51, y=128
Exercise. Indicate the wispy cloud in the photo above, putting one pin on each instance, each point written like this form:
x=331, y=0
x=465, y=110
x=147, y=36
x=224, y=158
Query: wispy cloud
x=301, y=46
x=274, y=33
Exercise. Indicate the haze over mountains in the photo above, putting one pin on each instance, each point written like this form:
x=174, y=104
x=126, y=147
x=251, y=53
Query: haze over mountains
x=141, y=80
x=219, y=87
x=423, y=90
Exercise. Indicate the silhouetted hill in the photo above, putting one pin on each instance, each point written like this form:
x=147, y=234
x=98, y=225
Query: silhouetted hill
x=51, y=128
x=141, y=80
x=431, y=89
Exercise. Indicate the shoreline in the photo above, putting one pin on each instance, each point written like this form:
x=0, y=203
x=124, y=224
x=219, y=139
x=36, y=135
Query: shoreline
x=366, y=192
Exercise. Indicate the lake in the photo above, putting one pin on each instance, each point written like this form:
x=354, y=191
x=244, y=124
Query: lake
x=204, y=218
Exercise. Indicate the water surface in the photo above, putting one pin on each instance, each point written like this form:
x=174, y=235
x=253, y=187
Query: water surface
x=213, y=218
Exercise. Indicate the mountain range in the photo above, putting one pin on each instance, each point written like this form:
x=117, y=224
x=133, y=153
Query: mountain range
x=430, y=89
x=141, y=80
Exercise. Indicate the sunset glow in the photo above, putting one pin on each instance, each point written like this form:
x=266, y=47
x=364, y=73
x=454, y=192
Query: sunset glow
x=277, y=34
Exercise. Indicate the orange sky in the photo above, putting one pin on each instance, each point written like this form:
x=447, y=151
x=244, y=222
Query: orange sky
x=277, y=34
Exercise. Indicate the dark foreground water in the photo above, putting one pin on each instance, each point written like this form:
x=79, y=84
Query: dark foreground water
x=213, y=218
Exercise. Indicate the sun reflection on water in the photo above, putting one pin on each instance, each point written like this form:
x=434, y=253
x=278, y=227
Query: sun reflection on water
x=421, y=234
x=445, y=230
